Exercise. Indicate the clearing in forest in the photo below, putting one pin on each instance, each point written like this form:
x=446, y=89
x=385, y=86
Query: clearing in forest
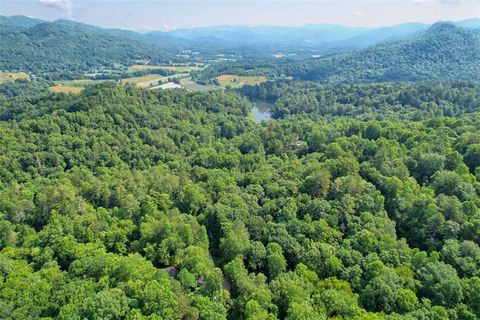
x=66, y=89
x=191, y=85
x=79, y=82
x=177, y=69
x=12, y=76
x=237, y=81
x=144, y=81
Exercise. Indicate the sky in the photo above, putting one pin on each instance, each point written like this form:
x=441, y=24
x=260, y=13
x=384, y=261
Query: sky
x=145, y=15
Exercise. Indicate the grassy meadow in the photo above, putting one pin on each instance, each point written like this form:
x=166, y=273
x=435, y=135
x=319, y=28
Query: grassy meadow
x=79, y=82
x=177, y=69
x=12, y=76
x=191, y=85
x=66, y=89
x=144, y=81
x=237, y=81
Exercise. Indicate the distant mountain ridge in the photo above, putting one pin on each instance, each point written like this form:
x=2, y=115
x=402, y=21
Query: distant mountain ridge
x=310, y=34
x=443, y=51
x=473, y=23
x=313, y=34
x=61, y=48
x=19, y=21
x=378, y=35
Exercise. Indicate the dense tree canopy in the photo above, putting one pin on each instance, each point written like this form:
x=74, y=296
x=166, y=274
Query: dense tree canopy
x=56, y=50
x=123, y=203
x=443, y=52
x=406, y=101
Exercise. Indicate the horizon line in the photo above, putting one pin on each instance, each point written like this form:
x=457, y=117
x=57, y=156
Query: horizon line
x=245, y=25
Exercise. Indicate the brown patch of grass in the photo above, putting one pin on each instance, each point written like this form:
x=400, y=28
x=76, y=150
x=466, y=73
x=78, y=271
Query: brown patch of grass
x=66, y=89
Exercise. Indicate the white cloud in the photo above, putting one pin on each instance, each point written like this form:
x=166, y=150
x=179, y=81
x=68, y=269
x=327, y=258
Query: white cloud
x=64, y=6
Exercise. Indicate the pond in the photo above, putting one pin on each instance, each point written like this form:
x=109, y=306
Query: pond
x=261, y=111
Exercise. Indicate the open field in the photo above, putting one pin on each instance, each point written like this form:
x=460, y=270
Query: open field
x=79, y=82
x=66, y=89
x=168, y=85
x=145, y=81
x=178, y=69
x=12, y=76
x=141, y=81
x=237, y=81
x=152, y=79
x=191, y=85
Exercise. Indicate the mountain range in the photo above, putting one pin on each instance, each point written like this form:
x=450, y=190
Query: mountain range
x=66, y=49
x=443, y=51
x=320, y=35
x=308, y=35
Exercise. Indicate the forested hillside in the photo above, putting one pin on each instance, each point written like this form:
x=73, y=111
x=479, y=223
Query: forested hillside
x=19, y=21
x=406, y=101
x=61, y=50
x=123, y=203
x=65, y=49
x=443, y=52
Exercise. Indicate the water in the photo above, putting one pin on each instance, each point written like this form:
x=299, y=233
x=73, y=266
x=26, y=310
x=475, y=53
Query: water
x=261, y=111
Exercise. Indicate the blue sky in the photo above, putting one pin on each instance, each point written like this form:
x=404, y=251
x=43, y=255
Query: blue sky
x=166, y=15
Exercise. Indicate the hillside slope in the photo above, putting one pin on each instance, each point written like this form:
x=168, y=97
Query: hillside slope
x=19, y=21
x=126, y=203
x=444, y=51
x=55, y=50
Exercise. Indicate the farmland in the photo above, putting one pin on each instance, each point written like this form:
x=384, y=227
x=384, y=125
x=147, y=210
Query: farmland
x=66, y=89
x=149, y=78
x=237, y=81
x=145, y=81
x=12, y=76
x=191, y=85
x=142, y=80
x=79, y=82
x=177, y=69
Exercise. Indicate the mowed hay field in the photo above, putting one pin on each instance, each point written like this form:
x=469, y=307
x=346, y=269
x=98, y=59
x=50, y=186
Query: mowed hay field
x=178, y=69
x=237, y=81
x=66, y=89
x=12, y=76
x=144, y=81
x=191, y=85
x=80, y=82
